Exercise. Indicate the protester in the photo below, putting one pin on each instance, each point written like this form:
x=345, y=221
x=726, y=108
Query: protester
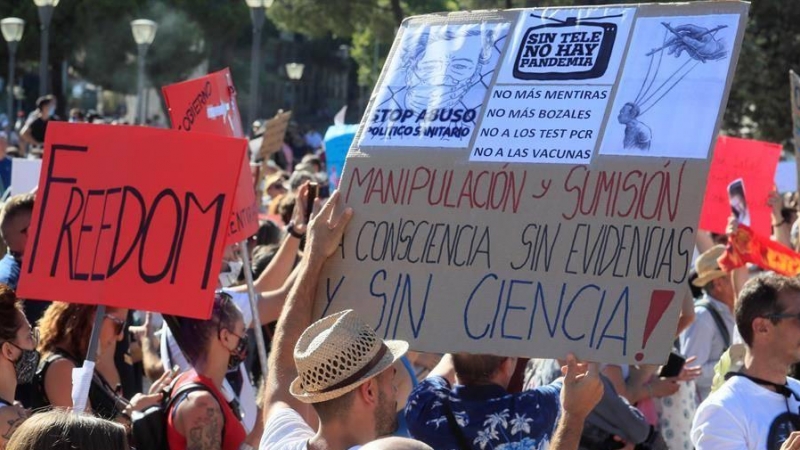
x=395, y=443
x=5, y=164
x=273, y=285
x=203, y=419
x=757, y=408
x=710, y=334
x=35, y=128
x=63, y=430
x=464, y=404
x=18, y=363
x=65, y=332
x=338, y=365
x=15, y=219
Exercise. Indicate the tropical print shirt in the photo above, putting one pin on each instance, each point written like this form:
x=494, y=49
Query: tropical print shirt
x=489, y=416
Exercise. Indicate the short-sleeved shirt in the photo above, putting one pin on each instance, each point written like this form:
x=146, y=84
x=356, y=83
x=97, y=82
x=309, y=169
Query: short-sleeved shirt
x=286, y=430
x=488, y=415
x=741, y=415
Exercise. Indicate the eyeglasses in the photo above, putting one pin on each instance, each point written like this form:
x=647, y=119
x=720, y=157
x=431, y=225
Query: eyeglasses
x=779, y=316
x=119, y=324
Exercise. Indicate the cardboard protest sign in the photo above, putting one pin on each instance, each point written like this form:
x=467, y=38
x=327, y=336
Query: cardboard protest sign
x=795, y=86
x=273, y=134
x=742, y=175
x=208, y=105
x=24, y=175
x=119, y=221
x=466, y=236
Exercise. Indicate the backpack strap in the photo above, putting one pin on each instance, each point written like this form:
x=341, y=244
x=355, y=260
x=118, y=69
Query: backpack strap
x=463, y=442
x=178, y=395
x=721, y=327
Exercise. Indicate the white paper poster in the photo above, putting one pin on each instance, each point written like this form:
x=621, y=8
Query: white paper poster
x=672, y=84
x=433, y=90
x=24, y=175
x=561, y=67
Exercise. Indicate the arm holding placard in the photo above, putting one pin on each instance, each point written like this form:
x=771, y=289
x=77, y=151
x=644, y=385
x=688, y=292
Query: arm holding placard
x=581, y=392
x=326, y=231
x=781, y=228
x=739, y=275
x=281, y=266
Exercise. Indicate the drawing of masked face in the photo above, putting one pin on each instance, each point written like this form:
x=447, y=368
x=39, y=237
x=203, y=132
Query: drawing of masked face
x=444, y=73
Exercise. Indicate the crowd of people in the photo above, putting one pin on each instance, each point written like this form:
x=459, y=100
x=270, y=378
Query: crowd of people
x=334, y=384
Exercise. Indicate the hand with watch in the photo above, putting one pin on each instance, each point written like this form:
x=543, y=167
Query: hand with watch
x=306, y=197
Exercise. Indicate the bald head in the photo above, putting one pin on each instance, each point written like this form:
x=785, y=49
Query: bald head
x=396, y=443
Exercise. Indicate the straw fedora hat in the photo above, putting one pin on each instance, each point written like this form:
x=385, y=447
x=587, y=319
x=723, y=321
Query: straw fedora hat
x=707, y=266
x=337, y=354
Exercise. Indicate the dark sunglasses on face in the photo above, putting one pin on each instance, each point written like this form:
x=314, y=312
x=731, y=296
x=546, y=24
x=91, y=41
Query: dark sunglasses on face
x=119, y=324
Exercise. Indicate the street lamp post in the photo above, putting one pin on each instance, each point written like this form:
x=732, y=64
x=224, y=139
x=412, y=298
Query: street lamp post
x=12, y=28
x=144, y=32
x=45, y=15
x=295, y=72
x=258, y=14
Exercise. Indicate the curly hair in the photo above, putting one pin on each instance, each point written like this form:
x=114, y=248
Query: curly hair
x=10, y=321
x=66, y=326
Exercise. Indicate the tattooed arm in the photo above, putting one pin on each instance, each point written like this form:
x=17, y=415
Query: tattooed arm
x=199, y=419
x=11, y=417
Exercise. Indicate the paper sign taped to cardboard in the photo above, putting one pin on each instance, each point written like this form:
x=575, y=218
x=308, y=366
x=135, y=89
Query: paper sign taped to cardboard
x=516, y=192
x=208, y=105
x=274, y=133
x=119, y=221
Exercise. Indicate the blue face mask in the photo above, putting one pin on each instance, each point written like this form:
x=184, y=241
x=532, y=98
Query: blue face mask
x=51, y=110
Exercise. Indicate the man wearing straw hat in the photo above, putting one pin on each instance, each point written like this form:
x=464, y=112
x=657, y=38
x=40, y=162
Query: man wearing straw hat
x=711, y=332
x=338, y=365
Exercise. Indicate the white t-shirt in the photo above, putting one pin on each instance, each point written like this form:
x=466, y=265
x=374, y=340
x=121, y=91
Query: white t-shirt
x=285, y=430
x=743, y=415
x=171, y=355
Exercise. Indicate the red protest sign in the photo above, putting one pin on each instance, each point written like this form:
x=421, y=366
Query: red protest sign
x=741, y=177
x=119, y=221
x=208, y=105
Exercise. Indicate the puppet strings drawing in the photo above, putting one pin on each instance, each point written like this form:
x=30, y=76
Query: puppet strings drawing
x=700, y=45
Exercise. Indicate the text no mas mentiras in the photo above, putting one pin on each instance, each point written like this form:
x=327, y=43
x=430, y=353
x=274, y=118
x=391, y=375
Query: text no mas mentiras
x=96, y=234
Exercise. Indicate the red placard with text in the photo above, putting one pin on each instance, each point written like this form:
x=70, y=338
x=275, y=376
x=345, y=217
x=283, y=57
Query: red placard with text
x=745, y=170
x=208, y=105
x=119, y=221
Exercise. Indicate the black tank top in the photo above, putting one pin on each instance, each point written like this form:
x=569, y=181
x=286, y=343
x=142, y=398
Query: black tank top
x=105, y=402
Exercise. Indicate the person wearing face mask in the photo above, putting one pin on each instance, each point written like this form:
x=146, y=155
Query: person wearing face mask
x=273, y=285
x=65, y=333
x=18, y=360
x=35, y=129
x=203, y=418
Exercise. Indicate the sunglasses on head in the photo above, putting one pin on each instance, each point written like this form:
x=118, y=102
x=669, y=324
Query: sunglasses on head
x=119, y=324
